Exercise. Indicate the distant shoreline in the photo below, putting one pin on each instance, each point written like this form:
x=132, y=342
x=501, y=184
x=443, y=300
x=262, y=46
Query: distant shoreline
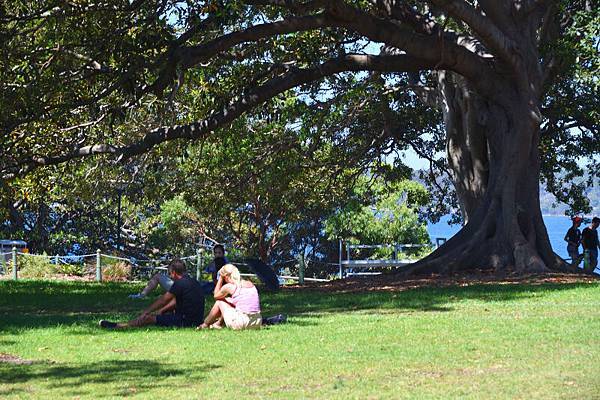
x=565, y=216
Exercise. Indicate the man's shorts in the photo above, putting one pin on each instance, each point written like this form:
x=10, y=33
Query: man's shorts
x=165, y=282
x=174, y=320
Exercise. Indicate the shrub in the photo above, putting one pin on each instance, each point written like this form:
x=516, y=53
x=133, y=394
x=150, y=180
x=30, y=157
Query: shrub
x=32, y=267
x=70, y=269
x=115, y=272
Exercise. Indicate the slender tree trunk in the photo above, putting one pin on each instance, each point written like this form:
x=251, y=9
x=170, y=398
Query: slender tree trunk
x=40, y=228
x=16, y=218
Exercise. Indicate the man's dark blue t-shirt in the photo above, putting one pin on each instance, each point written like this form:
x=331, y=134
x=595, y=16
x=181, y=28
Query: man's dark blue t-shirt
x=574, y=235
x=589, y=238
x=190, y=300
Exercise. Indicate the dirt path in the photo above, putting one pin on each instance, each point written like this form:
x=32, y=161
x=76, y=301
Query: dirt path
x=393, y=282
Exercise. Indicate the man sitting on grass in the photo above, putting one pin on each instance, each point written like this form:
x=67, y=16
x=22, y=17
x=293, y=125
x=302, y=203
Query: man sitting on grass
x=181, y=306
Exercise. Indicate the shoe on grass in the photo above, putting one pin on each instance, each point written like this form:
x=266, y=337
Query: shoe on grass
x=137, y=296
x=107, y=324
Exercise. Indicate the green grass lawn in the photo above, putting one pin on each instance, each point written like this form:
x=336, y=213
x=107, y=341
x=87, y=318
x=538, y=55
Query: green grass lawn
x=489, y=341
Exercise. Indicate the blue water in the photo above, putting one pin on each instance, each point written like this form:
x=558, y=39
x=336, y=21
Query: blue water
x=557, y=227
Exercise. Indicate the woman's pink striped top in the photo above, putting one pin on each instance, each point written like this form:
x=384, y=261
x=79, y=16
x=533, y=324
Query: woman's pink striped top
x=245, y=299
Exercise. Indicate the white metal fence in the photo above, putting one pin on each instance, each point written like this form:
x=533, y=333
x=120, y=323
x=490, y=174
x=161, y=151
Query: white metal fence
x=346, y=267
x=99, y=260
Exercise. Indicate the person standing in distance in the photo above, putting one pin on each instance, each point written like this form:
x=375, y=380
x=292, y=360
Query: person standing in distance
x=573, y=239
x=589, y=240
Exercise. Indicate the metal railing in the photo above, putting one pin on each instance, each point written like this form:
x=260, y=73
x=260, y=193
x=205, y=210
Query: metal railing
x=358, y=266
x=154, y=265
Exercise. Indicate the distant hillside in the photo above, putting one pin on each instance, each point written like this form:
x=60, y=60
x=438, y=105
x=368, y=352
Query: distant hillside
x=548, y=202
x=551, y=207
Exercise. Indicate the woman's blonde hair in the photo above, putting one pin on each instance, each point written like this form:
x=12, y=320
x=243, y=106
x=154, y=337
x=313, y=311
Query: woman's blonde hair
x=232, y=272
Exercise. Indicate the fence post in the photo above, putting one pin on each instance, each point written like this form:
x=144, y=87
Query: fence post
x=98, y=267
x=301, y=270
x=15, y=265
x=198, y=264
x=56, y=259
x=2, y=262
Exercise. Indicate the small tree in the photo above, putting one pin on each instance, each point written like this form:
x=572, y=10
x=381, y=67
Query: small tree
x=380, y=214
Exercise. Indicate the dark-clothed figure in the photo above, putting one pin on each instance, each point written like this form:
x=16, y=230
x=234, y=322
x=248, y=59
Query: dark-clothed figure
x=589, y=240
x=181, y=306
x=573, y=239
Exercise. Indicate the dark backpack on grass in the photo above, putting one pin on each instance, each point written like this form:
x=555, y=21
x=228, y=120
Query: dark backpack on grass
x=275, y=320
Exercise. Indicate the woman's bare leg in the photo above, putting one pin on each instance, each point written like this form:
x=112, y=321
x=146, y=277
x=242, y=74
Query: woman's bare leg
x=215, y=316
x=218, y=324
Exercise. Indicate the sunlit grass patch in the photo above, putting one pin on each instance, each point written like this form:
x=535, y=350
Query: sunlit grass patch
x=479, y=341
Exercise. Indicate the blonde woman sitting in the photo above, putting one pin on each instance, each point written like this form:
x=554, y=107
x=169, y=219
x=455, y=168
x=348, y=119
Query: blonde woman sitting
x=237, y=304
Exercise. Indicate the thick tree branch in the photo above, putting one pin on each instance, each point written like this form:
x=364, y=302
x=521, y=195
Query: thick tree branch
x=437, y=49
x=500, y=13
x=485, y=28
x=257, y=96
x=526, y=7
x=188, y=57
x=294, y=6
x=191, y=56
x=441, y=49
x=549, y=32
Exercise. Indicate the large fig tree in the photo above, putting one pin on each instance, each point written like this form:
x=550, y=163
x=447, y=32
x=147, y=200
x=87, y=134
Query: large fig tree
x=120, y=77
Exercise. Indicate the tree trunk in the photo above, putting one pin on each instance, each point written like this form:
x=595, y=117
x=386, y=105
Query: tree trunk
x=465, y=117
x=497, y=176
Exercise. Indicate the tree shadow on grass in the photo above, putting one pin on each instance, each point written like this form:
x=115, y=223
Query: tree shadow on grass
x=80, y=324
x=425, y=299
x=46, y=296
x=81, y=305
x=128, y=376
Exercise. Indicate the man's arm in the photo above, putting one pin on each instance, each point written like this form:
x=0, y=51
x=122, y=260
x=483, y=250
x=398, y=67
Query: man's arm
x=161, y=302
x=170, y=306
x=568, y=238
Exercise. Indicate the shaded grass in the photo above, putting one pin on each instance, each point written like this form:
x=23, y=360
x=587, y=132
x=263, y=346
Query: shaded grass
x=479, y=341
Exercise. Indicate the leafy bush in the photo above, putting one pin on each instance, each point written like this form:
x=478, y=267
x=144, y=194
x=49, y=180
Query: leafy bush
x=116, y=272
x=381, y=214
x=32, y=267
x=70, y=269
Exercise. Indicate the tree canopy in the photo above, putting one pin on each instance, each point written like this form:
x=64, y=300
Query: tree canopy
x=507, y=89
